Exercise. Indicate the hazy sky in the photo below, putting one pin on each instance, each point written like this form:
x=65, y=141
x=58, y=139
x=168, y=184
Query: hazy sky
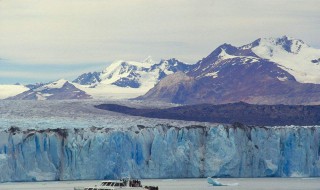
x=43, y=40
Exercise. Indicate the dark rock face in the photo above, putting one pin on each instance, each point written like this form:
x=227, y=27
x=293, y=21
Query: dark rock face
x=235, y=113
x=231, y=74
x=131, y=80
x=34, y=86
x=88, y=78
x=67, y=91
x=127, y=82
x=316, y=61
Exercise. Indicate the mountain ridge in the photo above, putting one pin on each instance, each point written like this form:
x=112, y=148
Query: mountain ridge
x=121, y=79
x=57, y=90
x=267, y=70
x=246, y=73
x=129, y=79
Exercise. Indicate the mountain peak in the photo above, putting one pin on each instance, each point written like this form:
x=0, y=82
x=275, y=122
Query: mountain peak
x=279, y=39
x=289, y=44
x=285, y=37
x=52, y=85
x=227, y=48
x=57, y=84
x=148, y=60
x=62, y=80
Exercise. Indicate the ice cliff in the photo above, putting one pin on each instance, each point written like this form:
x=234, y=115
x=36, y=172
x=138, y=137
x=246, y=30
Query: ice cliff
x=159, y=151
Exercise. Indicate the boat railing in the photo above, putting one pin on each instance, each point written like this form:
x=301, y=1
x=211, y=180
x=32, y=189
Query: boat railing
x=78, y=188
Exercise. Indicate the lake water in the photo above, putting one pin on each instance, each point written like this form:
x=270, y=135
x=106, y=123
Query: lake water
x=185, y=184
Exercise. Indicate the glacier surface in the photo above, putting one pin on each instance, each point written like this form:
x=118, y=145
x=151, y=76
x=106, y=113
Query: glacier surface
x=96, y=144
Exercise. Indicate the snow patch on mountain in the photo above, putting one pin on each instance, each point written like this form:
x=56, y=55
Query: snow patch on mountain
x=224, y=55
x=11, y=90
x=213, y=74
x=243, y=58
x=56, y=84
x=283, y=78
x=292, y=55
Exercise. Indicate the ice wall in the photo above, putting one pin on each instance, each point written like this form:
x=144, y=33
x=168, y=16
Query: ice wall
x=158, y=152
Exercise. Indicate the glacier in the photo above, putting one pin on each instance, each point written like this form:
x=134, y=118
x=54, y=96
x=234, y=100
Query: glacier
x=97, y=144
x=162, y=151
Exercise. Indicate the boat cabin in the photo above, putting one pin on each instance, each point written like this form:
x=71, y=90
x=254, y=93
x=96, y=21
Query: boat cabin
x=117, y=184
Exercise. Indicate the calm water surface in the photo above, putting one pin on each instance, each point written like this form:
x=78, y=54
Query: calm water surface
x=185, y=184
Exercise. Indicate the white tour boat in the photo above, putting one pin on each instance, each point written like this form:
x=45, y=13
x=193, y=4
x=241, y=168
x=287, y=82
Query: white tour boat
x=122, y=184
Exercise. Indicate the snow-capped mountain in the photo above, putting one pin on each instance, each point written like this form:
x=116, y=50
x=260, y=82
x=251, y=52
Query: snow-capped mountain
x=11, y=90
x=121, y=79
x=268, y=70
x=129, y=74
x=278, y=70
x=128, y=79
x=58, y=90
x=292, y=55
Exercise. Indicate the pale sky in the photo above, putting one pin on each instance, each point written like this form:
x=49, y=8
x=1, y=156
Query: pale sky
x=42, y=40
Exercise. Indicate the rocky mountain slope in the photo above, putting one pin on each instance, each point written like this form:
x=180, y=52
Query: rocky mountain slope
x=58, y=90
x=267, y=71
